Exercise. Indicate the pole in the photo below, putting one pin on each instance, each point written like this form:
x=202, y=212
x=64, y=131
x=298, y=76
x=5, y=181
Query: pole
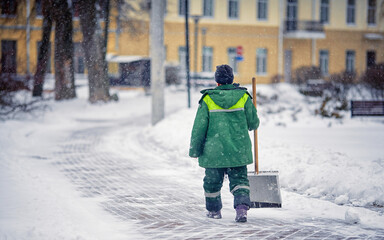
x=255, y=131
x=314, y=4
x=203, y=32
x=280, y=44
x=118, y=27
x=187, y=53
x=196, y=20
x=28, y=36
x=157, y=60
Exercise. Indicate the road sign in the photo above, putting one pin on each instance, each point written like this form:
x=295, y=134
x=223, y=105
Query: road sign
x=239, y=58
x=239, y=53
x=239, y=50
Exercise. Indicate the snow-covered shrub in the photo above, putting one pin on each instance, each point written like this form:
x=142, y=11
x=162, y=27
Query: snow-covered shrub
x=277, y=78
x=172, y=74
x=303, y=74
x=15, y=97
x=340, y=84
x=335, y=97
x=332, y=107
x=374, y=79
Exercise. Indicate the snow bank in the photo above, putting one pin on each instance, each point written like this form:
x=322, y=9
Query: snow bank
x=36, y=200
x=337, y=160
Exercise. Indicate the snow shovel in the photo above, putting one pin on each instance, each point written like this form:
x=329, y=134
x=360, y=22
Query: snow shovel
x=264, y=185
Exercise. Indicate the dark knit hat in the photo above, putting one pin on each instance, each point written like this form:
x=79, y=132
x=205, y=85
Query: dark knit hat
x=224, y=74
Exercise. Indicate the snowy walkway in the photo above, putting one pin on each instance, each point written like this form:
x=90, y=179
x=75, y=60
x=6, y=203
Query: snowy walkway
x=87, y=172
x=135, y=188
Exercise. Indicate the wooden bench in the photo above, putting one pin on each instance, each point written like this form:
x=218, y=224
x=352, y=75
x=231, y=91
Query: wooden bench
x=367, y=108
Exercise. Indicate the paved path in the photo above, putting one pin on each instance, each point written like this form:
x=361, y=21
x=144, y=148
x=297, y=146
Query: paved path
x=134, y=188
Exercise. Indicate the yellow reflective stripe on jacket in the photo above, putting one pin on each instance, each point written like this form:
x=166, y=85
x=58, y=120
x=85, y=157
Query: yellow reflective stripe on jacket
x=213, y=107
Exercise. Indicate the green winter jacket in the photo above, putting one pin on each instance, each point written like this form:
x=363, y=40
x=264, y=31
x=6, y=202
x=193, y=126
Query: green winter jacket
x=220, y=137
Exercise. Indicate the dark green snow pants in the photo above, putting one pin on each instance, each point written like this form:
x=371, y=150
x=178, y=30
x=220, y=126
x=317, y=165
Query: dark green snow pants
x=238, y=185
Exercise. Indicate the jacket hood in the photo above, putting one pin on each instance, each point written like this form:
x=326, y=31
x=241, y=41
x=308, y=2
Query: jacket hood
x=225, y=95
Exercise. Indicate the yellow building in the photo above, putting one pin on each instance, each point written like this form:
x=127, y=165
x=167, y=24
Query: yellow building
x=275, y=36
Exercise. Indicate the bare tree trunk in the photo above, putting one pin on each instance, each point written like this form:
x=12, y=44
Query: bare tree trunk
x=64, y=71
x=93, y=48
x=42, y=62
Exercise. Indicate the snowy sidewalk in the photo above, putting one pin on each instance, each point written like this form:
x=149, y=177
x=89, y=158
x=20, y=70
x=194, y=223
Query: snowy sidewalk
x=163, y=202
x=90, y=172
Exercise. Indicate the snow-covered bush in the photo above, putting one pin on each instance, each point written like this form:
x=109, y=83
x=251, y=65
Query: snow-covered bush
x=303, y=74
x=335, y=98
x=374, y=79
x=15, y=97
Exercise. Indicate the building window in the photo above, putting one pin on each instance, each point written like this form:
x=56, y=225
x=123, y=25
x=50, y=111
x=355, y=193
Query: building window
x=262, y=9
x=38, y=8
x=350, y=61
x=8, y=7
x=208, y=8
x=324, y=62
x=261, y=61
x=8, y=56
x=78, y=58
x=232, y=59
x=371, y=59
x=182, y=58
x=48, y=69
x=371, y=18
x=351, y=10
x=233, y=9
x=182, y=7
x=291, y=22
x=207, y=59
x=324, y=11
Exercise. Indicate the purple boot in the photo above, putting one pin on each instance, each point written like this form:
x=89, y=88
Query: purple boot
x=241, y=213
x=215, y=215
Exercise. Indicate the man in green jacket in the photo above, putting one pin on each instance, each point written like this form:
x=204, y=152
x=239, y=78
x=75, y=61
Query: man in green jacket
x=220, y=140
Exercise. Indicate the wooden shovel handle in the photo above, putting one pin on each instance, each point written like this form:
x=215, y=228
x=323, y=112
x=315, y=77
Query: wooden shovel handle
x=255, y=131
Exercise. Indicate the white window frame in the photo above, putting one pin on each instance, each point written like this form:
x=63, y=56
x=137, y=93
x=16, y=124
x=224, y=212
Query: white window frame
x=233, y=13
x=231, y=52
x=351, y=13
x=370, y=10
x=261, y=61
x=324, y=11
x=262, y=10
x=207, y=59
x=350, y=58
x=324, y=62
x=208, y=8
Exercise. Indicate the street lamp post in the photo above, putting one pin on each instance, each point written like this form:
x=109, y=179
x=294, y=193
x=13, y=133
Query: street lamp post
x=203, y=44
x=187, y=53
x=196, y=19
x=203, y=33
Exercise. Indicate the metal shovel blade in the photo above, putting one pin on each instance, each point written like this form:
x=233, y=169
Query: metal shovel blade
x=264, y=190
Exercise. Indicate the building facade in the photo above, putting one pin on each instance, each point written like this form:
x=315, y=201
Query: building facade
x=274, y=37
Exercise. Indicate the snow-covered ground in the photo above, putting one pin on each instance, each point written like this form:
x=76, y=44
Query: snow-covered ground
x=328, y=168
